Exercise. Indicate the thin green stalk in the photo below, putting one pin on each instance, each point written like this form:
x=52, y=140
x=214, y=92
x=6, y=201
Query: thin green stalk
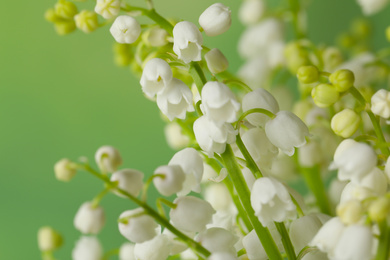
x=237, y=82
x=252, y=111
x=295, y=8
x=242, y=189
x=147, y=184
x=314, y=181
x=250, y=163
x=286, y=240
x=110, y=253
x=384, y=241
x=151, y=212
x=197, y=75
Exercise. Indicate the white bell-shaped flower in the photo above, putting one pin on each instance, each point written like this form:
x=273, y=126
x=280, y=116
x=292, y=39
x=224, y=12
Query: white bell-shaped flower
x=353, y=191
x=157, y=248
x=175, y=100
x=219, y=197
x=125, y=29
x=376, y=181
x=171, y=181
x=216, y=19
x=212, y=138
x=354, y=160
x=259, y=98
x=87, y=248
x=271, y=201
x=89, y=219
x=327, y=237
x=371, y=7
x=108, y=8
x=217, y=240
x=108, y=159
x=192, y=165
x=64, y=170
x=219, y=103
x=286, y=131
x=129, y=180
x=222, y=256
x=355, y=243
x=191, y=214
x=259, y=147
x=126, y=251
x=216, y=61
x=187, y=41
x=139, y=227
x=302, y=231
x=251, y=11
x=157, y=74
x=380, y=103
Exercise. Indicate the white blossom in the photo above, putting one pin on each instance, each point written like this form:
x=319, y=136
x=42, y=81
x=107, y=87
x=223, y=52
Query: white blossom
x=216, y=61
x=212, y=138
x=108, y=158
x=191, y=214
x=171, y=181
x=126, y=251
x=217, y=240
x=371, y=7
x=380, y=103
x=125, y=29
x=219, y=103
x=192, y=165
x=222, y=256
x=271, y=201
x=303, y=230
x=187, y=41
x=175, y=100
x=87, y=248
x=139, y=227
x=89, y=219
x=157, y=74
x=108, y=8
x=216, y=19
x=129, y=180
x=219, y=197
x=286, y=131
x=157, y=248
x=64, y=170
x=251, y=11
x=48, y=239
x=327, y=237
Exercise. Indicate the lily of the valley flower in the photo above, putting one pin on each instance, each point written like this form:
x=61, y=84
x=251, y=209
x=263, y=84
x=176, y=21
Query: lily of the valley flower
x=87, y=248
x=129, y=180
x=108, y=8
x=371, y=7
x=187, y=41
x=157, y=74
x=157, y=248
x=171, y=181
x=108, y=158
x=380, y=103
x=89, y=219
x=216, y=19
x=138, y=226
x=125, y=29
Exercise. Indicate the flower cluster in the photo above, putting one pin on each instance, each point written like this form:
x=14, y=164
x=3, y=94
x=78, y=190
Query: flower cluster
x=242, y=140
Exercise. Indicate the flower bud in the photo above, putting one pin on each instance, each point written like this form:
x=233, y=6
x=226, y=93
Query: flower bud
x=64, y=170
x=350, y=212
x=157, y=248
x=65, y=27
x=370, y=7
x=345, y=123
x=89, y=219
x=327, y=237
x=125, y=29
x=108, y=8
x=191, y=214
x=52, y=16
x=216, y=61
x=325, y=95
x=251, y=11
x=108, y=159
x=308, y=74
x=355, y=242
x=65, y=9
x=87, y=21
x=155, y=37
x=342, y=80
x=187, y=41
x=217, y=240
x=87, y=248
x=48, y=239
x=380, y=103
x=171, y=181
x=379, y=209
x=136, y=226
x=129, y=180
x=126, y=251
x=216, y=19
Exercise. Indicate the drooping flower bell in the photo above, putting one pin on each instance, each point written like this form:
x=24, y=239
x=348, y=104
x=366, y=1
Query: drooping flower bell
x=380, y=103
x=136, y=226
x=87, y=248
x=216, y=19
x=129, y=180
x=125, y=29
x=187, y=41
x=89, y=219
x=157, y=74
x=171, y=179
x=108, y=158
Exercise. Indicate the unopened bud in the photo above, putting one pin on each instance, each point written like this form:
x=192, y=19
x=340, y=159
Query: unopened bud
x=87, y=21
x=345, y=123
x=350, y=212
x=48, y=239
x=216, y=61
x=342, y=80
x=379, y=209
x=64, y=170
x=65, y=9
x=51, y=16
x=308, y=74
x=65, y=27
x=155, y=37
x=325, y=95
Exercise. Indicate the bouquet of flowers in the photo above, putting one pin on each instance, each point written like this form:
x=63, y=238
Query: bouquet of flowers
x=295, y=112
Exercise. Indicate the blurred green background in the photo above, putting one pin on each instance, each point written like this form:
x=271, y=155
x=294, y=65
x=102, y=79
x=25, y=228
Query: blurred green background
x=64, y=97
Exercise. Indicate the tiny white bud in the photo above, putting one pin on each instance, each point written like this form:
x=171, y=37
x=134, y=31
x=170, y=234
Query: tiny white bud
x=371, y=7
x=48, y=239
x=156, y=75
x=108, y=8
x=216, y=19
x=187, y=41
x=138, y=227
x=129, y=180
x=125, y=29
x=171, y=181
x=216, y=61
x=108, y=159
x=89, y=219
x=87, y=248
x=380, y=103
x=64, y=170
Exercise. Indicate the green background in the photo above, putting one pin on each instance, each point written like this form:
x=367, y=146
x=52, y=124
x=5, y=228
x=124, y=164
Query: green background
x=64, y=97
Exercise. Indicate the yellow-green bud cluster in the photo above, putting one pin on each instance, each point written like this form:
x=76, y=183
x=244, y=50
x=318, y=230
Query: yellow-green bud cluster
x=87, y=21
x=345, y=123
x=308, y=74
x=325, y=95
x=342, y=80
x=62, y=17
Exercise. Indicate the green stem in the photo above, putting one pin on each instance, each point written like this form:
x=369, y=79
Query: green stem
x=314, y=181
x=237, y=82
x=294, y=7
x=148, y=210
x=384, y=241
x=110, y=253
x=252, y=111
x=242, y=189
x=147, y=185
x=197, y=75
x=250, y=163
x=286, y=240
x=100, y=196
